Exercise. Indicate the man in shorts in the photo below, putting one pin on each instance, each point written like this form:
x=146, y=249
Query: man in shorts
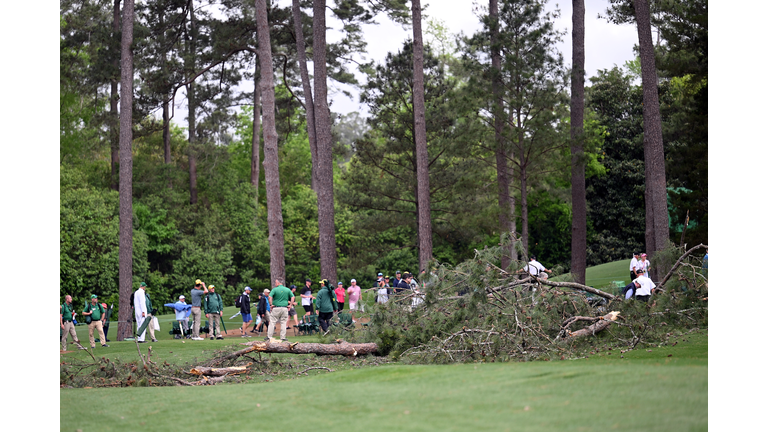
x=245, y=311
x=354, y=297
x=307, y=297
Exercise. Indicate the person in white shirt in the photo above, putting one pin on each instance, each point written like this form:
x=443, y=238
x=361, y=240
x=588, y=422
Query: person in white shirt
x=535, y=268
x=633, y=266
x=643, y=264
x=142, y=313
x=647, y=287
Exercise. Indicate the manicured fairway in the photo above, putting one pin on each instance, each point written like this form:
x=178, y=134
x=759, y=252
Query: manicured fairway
x=645, y=391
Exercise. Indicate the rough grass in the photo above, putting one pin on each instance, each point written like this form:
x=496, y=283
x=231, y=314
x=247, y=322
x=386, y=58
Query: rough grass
x=646, y=390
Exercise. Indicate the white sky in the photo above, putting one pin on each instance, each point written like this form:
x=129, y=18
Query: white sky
x=606, y=44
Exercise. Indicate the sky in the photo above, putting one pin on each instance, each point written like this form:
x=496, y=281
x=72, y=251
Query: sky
x=606, y=44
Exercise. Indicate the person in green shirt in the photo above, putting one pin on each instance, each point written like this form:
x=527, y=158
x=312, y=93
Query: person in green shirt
x=96, y=312
x=279, y=298
x=214, y=309
x=67, y=326
x=326, y=304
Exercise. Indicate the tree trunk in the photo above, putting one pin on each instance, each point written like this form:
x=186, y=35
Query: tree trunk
x=578, y=185
x=655, y=175
x=114, y=136
x=301, y=50
x=325, y=210
x=502, y=171
x=192, y=107
x=256, y=140
x=166, y=110
x=271, y=160
x=342, y=348
x=420, y=135
x=125, y=243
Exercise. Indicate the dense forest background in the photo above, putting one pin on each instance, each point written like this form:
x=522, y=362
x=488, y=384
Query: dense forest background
x=215, y=228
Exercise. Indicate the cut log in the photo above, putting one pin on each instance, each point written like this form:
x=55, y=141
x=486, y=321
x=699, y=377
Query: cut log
x=209, y=371
x=341, y=347
x=603, y=322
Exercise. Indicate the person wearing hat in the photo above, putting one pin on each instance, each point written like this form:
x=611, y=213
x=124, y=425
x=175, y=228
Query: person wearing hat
x=182, y=316
x=397, y=279
x=66, y=315
x=142, y=305
x=214, y=309
x=326, y=305
x=279, y=299
x=340, y=293
x=644, y=264
x=263, y=309
x=307, y=297
x=382, y=291
x=292, y=308
x=633, y=265
x=96, y=312
x=245, y=310
x=646, y=288
x=354, y=297
x=197, y=294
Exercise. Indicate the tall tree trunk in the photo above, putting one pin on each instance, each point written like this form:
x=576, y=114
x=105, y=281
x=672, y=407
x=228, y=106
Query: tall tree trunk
x=192, y=105
x=114, y=135
x=125, y=242
x=325, y=210
x=420, y=129
x=578, y=185
x=502, y=171
x=271, y=163
x=655, y=175
x=166, y=110
x=308, y=100
x=256, y=140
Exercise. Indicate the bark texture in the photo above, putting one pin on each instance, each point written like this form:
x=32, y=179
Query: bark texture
x=601, y=324
x=420, y=138
x=125, y=243
x=114, y=137
x=657, y=226
x=301, y=51
x=271, y=165
x=325, y=210
x=578, y=185
x=256, y=140
x=339, y=348
x=192, y=106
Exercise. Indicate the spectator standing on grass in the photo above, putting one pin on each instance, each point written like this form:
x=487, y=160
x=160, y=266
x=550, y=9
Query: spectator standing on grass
x=633, y=266
x=307, y=297
x=66, y=315
x=197, y=294
x=214, y=309
x=245, y=311
x=354, y=297
x=264, y=310
x=340, y=293
x=142, y=305
x=326, y=305
x=96, y=312
x=643, y=264
x=182, y=317
x=646, y=288
x=292, y=308
x=279, y=298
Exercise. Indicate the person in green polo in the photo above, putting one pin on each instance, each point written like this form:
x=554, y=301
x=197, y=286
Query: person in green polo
x=66, y=313
x=96, y=312
x=279, y=298
x=326, y=304
x=214, y=309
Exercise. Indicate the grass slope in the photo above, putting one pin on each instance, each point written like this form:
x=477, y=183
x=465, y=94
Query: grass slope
x=661, y=389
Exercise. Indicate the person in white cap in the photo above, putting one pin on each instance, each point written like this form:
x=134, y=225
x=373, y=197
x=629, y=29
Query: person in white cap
x=183, y=318
x=245, y=311
x=354, y=297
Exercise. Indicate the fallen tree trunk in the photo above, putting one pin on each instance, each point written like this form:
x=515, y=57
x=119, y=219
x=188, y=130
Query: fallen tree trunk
x=209, y=371
x=339, y=348
x=603, y=322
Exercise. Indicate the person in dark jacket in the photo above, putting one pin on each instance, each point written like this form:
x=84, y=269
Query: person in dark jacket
x=263, y=310
x=326, y=304
x=245, y=310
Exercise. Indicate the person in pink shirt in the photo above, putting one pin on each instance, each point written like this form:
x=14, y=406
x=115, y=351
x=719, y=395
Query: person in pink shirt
x=354, y=297
x=339, y=291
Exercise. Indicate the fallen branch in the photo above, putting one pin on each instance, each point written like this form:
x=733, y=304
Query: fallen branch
x=603, y=322
x=677, y=264
x=577, y=286
x=311, y=368
x=209, y=371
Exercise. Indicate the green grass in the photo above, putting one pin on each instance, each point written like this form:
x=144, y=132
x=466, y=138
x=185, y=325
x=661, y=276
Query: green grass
x=602, y=275
x=645, y=390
